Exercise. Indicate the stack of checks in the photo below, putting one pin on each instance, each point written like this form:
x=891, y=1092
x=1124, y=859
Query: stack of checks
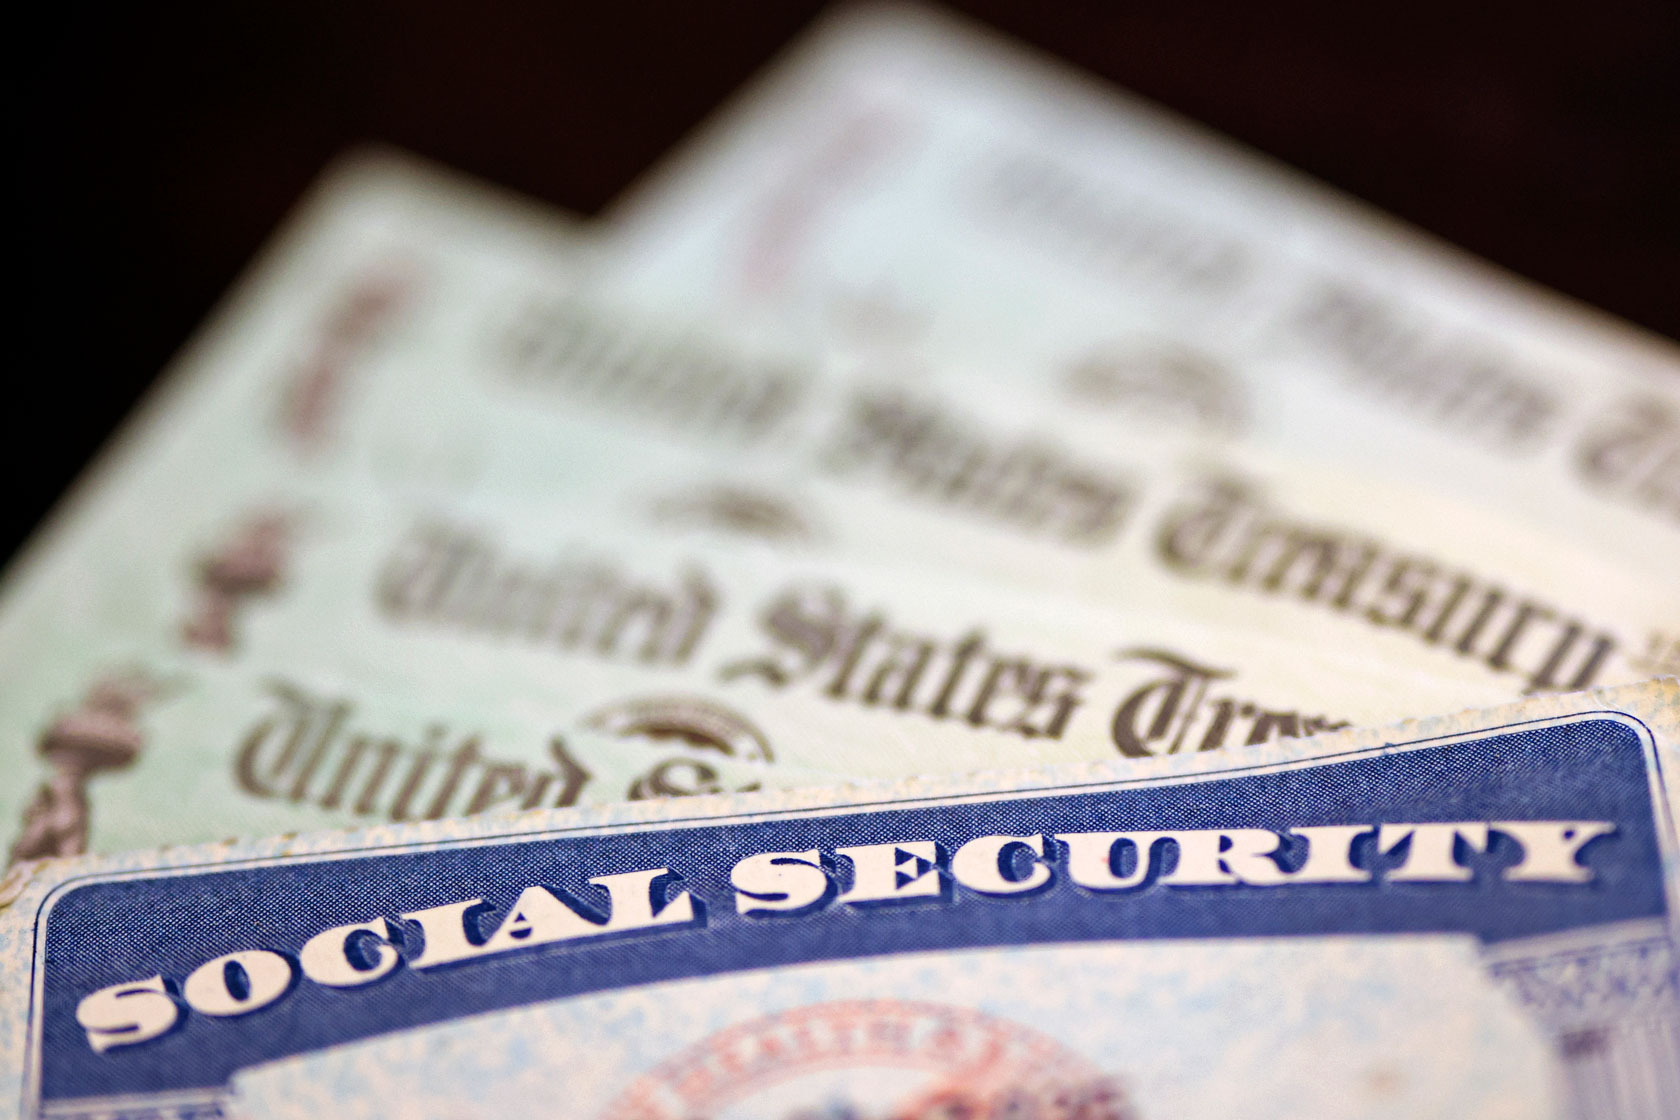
x=939, y=605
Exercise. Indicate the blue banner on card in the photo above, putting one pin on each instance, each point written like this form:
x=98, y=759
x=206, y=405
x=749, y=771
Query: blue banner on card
x=167, y=984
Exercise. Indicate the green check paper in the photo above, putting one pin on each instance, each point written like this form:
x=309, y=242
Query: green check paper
x=401, y=562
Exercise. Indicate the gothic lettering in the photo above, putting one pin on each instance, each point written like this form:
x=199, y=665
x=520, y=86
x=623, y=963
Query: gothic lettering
x=308, y=750
x=448, y=576
x=1229, y=533
x=848, y=656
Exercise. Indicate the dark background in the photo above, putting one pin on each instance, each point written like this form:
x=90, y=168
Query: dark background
x=158, y=148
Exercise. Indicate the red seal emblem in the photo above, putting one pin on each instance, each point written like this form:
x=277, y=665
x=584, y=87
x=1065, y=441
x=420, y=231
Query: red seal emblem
x=875, y=1060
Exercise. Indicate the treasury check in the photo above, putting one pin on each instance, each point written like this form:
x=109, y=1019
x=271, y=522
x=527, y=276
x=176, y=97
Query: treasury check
x=170, y=611
x=912, y=191
x=513, y=381
x=1470, y=915
x=537, y=388
x=434, y=663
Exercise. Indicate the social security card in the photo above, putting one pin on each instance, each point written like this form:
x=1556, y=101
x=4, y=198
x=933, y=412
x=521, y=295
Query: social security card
x=1467, y=916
